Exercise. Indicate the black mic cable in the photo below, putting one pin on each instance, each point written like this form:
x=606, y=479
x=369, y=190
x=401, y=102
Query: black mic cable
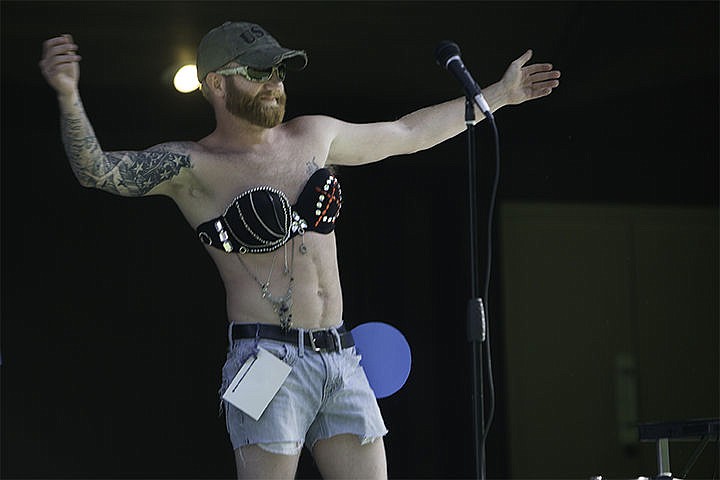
x=488, y=270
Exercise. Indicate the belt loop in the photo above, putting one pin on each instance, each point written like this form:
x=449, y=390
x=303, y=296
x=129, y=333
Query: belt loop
x=301, y=342
x=257, y=338
x=230, y=339
x=338, y=343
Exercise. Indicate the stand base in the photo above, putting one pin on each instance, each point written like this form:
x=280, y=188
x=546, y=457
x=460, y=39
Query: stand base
x=661, y=433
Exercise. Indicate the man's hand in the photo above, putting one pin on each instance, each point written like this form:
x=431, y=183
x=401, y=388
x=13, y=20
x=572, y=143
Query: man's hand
x=522, y=83
x=59, y=64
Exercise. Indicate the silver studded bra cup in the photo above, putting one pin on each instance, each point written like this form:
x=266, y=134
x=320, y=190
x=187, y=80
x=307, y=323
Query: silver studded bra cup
x=262, y=220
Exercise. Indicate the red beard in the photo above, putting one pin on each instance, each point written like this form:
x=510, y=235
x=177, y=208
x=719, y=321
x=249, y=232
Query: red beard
x=252, y=109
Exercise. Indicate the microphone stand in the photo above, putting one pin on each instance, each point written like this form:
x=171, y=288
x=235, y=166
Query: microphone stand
x=475, y=309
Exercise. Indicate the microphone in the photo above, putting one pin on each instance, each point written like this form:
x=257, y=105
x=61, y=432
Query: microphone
x=447, y=55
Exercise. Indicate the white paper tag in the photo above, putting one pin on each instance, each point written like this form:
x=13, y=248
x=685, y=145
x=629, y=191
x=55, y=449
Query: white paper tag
x=257, y=382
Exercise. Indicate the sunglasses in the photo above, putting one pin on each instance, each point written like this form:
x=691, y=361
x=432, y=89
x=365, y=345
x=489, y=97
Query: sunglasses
x=254, y=74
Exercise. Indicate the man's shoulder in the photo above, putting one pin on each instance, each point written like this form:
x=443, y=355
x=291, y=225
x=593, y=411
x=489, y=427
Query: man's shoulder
x=310, y=121
x=316, y=132
x=189, y=151
x=179, y=147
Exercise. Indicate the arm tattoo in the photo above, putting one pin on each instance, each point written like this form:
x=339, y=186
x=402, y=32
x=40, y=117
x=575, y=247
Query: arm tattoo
x=124, y=173
x=136, y=173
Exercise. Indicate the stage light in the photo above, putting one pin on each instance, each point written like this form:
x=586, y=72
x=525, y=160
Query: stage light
x=185, y=80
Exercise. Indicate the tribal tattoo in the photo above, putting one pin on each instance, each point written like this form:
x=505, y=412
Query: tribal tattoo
x=136, y=173
x=124, y=173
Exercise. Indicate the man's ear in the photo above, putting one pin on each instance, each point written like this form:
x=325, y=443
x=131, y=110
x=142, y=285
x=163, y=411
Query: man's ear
x=216, y=83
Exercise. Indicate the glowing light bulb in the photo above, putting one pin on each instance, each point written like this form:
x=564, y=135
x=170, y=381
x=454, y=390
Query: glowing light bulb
x=185, y=80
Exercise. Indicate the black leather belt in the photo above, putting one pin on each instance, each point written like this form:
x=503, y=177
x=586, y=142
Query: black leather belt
x=318, y=340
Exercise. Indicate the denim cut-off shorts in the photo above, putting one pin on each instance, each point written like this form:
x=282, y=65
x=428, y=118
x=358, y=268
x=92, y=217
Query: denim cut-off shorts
x=326, y=394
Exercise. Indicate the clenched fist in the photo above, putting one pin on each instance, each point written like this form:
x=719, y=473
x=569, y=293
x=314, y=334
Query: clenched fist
x=60, y=64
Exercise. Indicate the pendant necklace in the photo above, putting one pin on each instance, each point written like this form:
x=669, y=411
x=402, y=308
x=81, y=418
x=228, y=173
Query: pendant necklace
x=281, y=305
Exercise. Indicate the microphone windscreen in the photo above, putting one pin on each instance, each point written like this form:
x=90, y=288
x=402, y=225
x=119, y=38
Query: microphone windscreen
x=445, y=51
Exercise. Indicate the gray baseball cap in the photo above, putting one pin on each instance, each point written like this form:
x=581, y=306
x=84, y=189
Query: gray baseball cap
x=246, y=43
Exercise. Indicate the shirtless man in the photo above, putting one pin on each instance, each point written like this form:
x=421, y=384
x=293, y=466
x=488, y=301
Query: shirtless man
x=258, y=193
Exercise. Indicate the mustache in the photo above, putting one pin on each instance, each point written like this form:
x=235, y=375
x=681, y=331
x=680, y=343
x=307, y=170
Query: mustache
x=278, y=95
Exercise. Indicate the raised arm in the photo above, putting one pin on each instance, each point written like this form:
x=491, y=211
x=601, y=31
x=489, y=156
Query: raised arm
x=356, y=144
x=125, y=173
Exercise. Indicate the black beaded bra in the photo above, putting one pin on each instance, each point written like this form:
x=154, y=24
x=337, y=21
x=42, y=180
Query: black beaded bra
x=262, y=220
